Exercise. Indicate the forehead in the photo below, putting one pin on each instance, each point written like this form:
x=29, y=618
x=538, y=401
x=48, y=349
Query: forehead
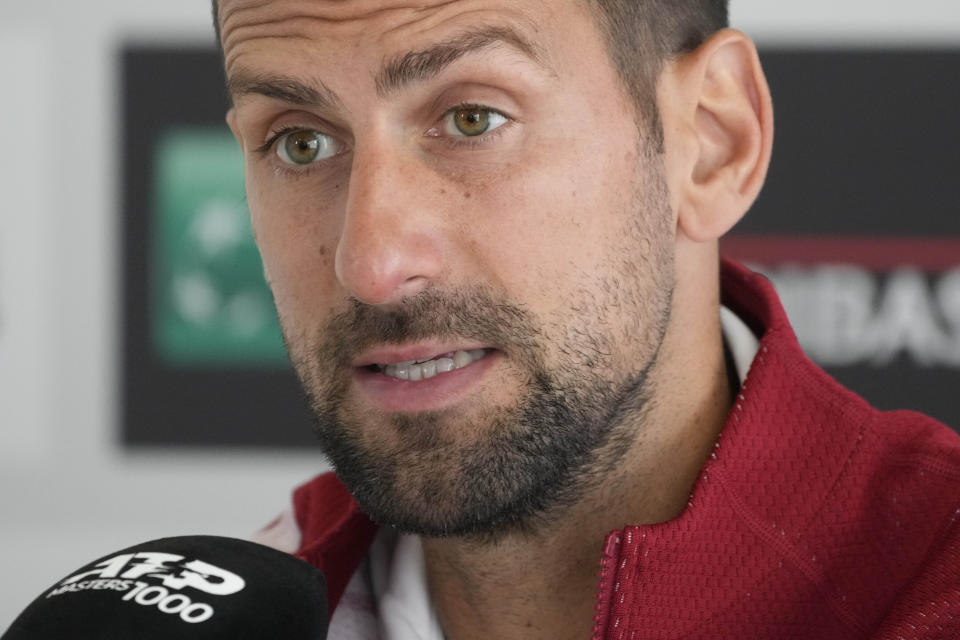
x=343, y=31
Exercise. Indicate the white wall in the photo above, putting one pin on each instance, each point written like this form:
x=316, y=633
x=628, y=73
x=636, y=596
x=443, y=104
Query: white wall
x=67, y=491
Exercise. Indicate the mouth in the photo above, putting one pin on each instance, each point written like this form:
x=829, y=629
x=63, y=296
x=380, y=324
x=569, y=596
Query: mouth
x=426, y=368
x=413, y=378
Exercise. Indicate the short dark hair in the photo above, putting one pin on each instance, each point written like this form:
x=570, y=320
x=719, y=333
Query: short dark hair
x=641, y=36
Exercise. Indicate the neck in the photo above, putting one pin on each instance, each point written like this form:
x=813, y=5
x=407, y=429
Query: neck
x=542, y=583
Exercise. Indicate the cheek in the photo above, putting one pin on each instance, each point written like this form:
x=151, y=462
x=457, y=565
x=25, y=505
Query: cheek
x=296, y=240
x=555, y=217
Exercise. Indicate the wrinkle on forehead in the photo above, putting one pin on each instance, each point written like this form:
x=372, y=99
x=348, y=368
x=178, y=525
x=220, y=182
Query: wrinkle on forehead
x=237, y=16
x=247, y=20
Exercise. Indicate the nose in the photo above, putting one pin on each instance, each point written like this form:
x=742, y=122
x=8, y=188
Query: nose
x=390, y=244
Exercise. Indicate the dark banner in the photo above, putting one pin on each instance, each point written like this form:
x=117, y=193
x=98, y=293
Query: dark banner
x=859, y=223
x=858, y=227
x=203, y=360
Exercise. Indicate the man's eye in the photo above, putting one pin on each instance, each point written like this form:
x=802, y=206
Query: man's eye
x=304, y=146
x=472, y=121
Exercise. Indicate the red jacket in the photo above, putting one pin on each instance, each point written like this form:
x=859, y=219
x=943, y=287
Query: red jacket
x=816, y=517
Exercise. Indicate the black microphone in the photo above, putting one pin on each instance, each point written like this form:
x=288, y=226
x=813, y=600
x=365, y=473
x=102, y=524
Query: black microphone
x=189, y=587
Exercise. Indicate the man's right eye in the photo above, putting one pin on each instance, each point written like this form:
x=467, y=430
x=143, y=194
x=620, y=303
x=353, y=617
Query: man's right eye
x=304, y=146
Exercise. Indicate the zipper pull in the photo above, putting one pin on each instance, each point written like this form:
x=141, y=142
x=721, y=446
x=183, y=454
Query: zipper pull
x=607, y=574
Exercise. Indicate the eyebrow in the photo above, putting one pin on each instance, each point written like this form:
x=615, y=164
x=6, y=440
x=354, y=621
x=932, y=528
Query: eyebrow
x=394, y=75
x=422, y=65
x=283, y=88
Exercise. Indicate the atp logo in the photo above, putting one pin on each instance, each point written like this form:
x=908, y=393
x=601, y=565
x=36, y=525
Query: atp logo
x=127, y=573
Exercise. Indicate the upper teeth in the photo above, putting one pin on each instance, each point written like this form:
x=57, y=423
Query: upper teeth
x=423, y=369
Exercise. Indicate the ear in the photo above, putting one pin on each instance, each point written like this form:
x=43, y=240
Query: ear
x=718, y=128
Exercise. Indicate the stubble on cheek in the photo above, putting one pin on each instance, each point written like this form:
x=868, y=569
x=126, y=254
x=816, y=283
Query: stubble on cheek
x=482, y=471
x=417, y=471
x=579, y=381
x=324, y=357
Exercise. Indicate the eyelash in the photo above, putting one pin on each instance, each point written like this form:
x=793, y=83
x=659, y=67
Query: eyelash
x=282, y=169
x=473, y=142
x=451, y=142
x=275, y=135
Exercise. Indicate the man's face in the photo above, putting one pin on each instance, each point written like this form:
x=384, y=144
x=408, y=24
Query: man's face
x=462, y=185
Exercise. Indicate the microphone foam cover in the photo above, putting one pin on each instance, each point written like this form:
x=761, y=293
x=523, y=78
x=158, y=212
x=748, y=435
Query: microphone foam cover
x=189, y=587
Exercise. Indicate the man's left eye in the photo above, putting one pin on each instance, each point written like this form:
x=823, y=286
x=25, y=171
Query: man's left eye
x=472, y=121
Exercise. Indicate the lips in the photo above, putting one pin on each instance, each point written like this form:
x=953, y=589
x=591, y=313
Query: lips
x=430, y=367
x=419, y=352
x=421, y=377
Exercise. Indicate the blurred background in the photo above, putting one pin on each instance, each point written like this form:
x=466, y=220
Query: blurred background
x=144, y=391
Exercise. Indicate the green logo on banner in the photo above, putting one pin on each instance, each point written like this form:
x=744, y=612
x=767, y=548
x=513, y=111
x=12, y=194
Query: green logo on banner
x=211, y=305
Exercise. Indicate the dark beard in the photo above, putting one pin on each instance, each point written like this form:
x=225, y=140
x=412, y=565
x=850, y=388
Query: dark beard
x=533, y=458
x=578, y=414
